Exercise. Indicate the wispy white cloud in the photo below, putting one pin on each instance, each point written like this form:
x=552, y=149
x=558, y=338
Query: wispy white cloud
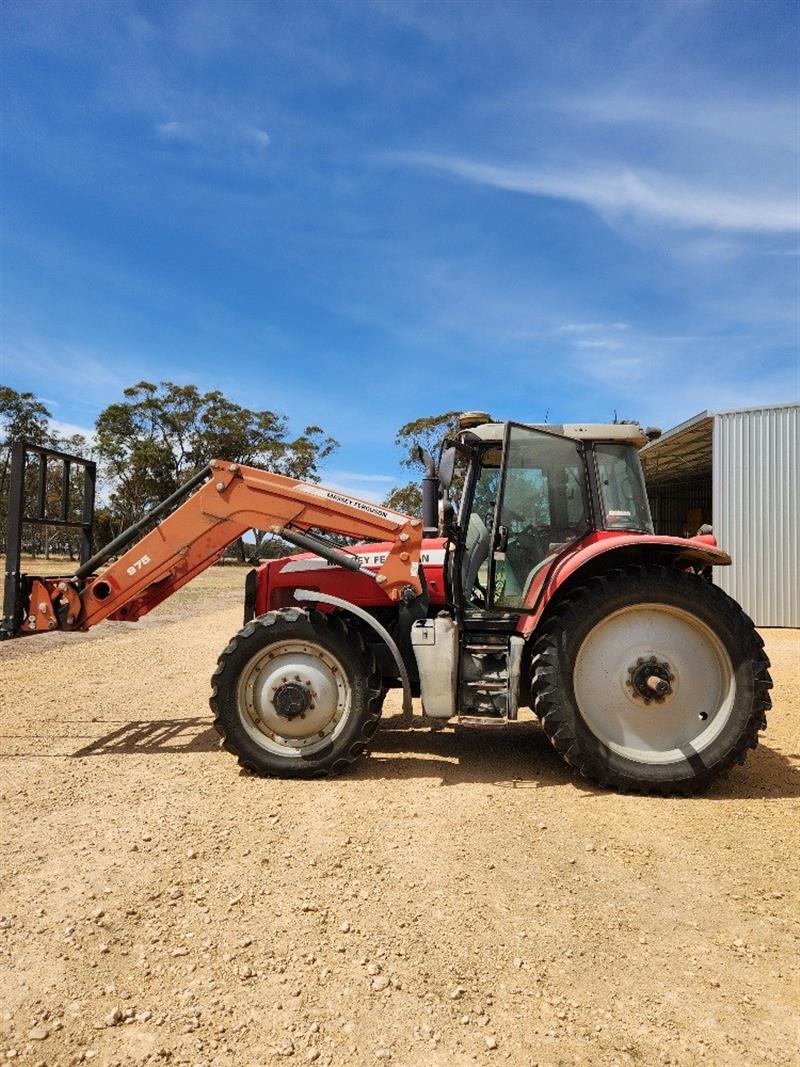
x=70, y=429
x=780, y=252
x=354, y=489
x=258, y=137
x=769, y=123
x=373, y=487
x=212, y=134
x=74, y=381
x=591, y=327
x=356, y=476
x=605, y=343
x=659, y=386
x=176, y=131
x=627, y=367
x=639, y=195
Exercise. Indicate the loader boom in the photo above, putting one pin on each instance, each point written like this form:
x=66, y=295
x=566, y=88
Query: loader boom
x=233, y=500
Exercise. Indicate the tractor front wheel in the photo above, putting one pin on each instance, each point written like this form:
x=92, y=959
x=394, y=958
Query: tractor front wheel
x=650, y=680
x=296, y=694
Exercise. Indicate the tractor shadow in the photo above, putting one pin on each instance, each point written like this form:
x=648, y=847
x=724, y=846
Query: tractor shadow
x=518, y=756
x=154, y=737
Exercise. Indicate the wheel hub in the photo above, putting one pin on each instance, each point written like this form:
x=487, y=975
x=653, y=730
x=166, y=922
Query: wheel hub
x=650, y=679
x=292, y=699
x=294, y=696
x=653, y=681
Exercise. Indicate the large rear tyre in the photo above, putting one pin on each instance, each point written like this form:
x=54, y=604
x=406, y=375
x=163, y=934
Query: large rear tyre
x=296, y=694
x=650, y=680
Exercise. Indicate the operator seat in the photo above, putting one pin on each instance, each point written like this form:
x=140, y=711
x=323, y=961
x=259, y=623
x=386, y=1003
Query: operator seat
x=476, y=552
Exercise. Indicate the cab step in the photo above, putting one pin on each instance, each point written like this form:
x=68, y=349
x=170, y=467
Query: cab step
x=482, y=720
x=489, y=677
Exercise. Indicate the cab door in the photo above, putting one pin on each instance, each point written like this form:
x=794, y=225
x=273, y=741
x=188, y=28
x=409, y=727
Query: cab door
x=542, y=507
x=469, y=551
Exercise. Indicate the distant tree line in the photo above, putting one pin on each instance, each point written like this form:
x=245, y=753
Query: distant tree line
x=153, y=439
x=146, y=445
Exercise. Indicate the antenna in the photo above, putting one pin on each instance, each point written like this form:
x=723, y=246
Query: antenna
x=547, y=416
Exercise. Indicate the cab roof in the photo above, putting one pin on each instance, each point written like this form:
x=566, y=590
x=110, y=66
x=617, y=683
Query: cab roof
x=617, y=432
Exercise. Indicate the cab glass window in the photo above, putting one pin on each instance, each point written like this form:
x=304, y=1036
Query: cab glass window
x=622, y=490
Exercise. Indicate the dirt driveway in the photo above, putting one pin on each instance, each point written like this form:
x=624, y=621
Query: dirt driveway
x=458, y=898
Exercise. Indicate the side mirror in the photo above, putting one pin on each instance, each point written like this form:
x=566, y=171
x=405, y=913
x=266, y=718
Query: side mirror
x=447, y=466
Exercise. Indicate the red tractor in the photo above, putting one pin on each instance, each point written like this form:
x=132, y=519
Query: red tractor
x=546, y=588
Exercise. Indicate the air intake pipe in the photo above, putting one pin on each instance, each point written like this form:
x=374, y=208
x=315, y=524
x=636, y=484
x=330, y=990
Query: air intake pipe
x=430, y=494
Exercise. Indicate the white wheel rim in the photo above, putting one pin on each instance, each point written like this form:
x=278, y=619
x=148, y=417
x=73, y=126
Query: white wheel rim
x=685, y=721
x=294, y=664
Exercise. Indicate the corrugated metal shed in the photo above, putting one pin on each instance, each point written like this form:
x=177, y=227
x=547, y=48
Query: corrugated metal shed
x=739, y=470
x=756, y=508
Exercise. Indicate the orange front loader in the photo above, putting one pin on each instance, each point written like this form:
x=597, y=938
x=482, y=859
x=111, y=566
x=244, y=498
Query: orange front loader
x=194, y=526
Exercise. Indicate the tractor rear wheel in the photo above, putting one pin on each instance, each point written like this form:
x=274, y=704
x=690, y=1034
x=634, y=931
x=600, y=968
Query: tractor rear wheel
x=296, y=694
x=650, y=680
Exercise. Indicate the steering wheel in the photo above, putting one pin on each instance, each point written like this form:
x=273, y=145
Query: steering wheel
x=530, y=530
x=535, y=534
x=515, y=516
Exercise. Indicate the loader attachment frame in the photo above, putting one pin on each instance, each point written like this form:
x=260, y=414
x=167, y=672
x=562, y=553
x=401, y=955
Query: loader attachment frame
x=16, y=593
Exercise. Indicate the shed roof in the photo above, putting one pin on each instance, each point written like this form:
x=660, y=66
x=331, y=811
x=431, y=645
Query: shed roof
x=681, y=453
x=685, y=452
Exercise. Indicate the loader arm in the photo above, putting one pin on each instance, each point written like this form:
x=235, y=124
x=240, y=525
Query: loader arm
x=232, y=500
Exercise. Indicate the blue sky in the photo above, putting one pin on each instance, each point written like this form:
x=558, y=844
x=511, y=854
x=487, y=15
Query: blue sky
x=359, y=213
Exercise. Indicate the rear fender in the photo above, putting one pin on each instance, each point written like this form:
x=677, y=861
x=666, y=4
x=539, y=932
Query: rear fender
x=599, y=553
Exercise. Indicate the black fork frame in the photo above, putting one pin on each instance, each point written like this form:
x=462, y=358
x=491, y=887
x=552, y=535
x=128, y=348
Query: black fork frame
x=13, y=598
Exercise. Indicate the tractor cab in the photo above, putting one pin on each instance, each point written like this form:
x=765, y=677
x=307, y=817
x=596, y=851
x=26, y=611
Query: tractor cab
x=530, y=493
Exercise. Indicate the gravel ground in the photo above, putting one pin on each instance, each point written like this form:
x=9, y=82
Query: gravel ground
x=457, y=898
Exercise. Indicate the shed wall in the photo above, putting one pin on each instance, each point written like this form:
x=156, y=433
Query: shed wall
x=756, y=510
